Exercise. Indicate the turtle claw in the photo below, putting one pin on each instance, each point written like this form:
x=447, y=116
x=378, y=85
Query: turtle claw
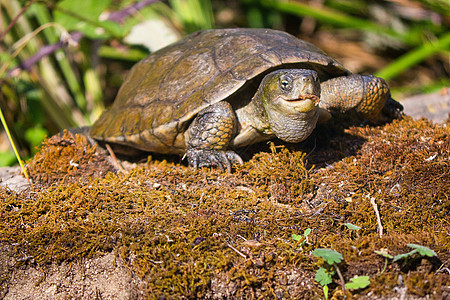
x=222, y=159
x=393, y=109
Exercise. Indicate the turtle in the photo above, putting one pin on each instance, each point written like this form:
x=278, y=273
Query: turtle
x=221, y=89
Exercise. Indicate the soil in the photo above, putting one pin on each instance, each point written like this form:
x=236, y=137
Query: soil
x=104, y=277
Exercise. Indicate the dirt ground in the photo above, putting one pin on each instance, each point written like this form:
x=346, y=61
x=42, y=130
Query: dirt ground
x=104, y=277
x=164, y=231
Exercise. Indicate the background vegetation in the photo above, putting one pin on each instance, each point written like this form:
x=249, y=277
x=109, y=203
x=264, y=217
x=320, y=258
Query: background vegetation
x=96, y=41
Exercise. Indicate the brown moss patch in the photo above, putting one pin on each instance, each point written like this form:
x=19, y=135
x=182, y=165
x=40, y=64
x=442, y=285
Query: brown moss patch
x=67, y=158
x=205, y=234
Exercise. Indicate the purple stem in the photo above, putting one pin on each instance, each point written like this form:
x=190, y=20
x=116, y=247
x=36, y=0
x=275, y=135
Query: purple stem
x=46, y=50
x=117, y=16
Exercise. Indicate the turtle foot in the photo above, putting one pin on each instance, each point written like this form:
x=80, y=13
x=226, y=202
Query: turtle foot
x=219, y=158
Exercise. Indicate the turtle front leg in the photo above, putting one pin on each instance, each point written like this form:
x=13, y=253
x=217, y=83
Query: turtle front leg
x=367, y=96
x=209, y=135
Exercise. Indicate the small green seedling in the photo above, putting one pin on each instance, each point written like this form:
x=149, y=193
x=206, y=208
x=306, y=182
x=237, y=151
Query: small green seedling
x=384, y=252
x=298, y=237
x=421, y=250
x=358, y=282
x=331, y=257
x=324, y=274
x=324, y=277
x=325, y=291
x=353, y=227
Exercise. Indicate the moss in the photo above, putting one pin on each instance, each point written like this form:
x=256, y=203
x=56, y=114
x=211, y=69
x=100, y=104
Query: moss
x=197, y=233
x=67, y=158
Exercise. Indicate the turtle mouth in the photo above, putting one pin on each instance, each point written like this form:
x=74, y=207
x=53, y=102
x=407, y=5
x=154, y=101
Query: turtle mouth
x=313, y=98
x=304, y=103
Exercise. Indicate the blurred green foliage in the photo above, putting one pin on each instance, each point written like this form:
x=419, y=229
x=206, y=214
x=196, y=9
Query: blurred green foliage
x=71, y=86
x=85, y=17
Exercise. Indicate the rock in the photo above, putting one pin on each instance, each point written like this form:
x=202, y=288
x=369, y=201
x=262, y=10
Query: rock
x=12, y=178
x=435, y=107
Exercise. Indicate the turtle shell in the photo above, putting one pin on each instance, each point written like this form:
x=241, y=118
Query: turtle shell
x=163, y=92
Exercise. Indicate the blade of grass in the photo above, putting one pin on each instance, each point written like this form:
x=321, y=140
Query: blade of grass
x=206, y=10
x=119, y=54
x=260, y=17
x=94, y=94
x=193, y=14
x=58, y=101
x=255, y=17
x=415, y=56
x=333, y=17
x=8, y=133
x=441, y=6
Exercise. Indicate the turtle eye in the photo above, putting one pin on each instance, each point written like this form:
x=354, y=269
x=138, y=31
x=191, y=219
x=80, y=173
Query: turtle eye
x=285, y=83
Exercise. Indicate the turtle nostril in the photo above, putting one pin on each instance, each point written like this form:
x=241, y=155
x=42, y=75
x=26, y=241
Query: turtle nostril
x=307, y=79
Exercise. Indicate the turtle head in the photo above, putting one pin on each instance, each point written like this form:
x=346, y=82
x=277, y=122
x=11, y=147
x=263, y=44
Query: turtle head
x=289, y=99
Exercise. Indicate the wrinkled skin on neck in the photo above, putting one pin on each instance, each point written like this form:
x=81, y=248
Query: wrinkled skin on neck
x=287, y=101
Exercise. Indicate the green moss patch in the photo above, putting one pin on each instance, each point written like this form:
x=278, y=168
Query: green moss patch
x=203, y=233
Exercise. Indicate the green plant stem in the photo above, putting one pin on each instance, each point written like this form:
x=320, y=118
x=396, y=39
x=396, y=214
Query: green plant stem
x=8, y=133
x=415, y=56
x=385, y=265
x=341, y=278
